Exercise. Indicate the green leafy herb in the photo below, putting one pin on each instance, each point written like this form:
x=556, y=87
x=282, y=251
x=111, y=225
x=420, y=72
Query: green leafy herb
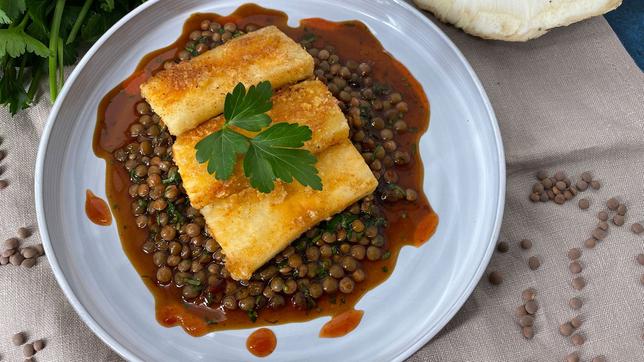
x=274, y=153
x=343, y=220
x=41, y=36
x=386, y=255
x=385, y=269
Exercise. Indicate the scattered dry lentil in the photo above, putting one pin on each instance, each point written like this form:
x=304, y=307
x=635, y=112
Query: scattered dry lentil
x=566, y=329
x=502, y=247
x=602, y=215
x=28, y=350
x=528, y=294
x=528, y=332
x=575, y=267
x=574, y=253
x=640, y=259
x=534, y=263
x=576, y=322
x=595, y=185
x=18, y=339
x=39, y=345
x=526, y=321
x=637, y=228
x=612, y=204
x=575, y=303
x=495, y=278
x=578, y=283
x=584, y=204
x=28, y=263
x=618, y=220
x=577, y=340
x=599, y=234
x=531, y=307
x=11, y=243
x=526, y=244
x=621, y=209
x=3, y=184
x=23, y=232
x=599, y=359
x=16, y=259
x=590, y=243
x=572, y=357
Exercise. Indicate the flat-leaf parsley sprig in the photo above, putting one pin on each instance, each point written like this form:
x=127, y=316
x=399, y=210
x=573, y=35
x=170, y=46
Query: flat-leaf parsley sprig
x=274, y=153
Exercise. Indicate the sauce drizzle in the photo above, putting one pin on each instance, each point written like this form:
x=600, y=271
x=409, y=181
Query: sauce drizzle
x=341, y=324
x=97, y=210
x=262, y=342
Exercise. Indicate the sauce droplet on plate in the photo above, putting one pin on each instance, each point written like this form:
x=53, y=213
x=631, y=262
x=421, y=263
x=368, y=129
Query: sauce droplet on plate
x=262, y=342
x=341, y=324
x=97, y=210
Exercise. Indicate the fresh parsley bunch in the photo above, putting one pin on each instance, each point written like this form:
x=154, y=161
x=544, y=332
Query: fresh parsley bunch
x=39, y=37
x=274, y=153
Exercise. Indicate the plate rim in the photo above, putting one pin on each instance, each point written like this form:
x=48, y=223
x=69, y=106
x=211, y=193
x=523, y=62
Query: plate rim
x=125, y=353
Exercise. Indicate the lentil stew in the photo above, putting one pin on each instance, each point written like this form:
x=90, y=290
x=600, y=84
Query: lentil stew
x=327, y=269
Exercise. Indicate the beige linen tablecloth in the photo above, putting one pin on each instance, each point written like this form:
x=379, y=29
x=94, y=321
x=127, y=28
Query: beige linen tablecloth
x=570, y=100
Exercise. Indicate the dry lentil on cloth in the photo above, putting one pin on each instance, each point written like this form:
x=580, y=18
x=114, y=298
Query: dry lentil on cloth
x=578, y=81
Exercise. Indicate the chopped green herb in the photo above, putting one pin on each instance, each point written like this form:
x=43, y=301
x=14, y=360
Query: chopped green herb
x=142, y=203
x=134, y=178
x=386, y=255
x=193, y=282
x=381, y=89
x=385, y=269
x=322, y=271
x=308, y=39
x=252, y=315
x=173, y=177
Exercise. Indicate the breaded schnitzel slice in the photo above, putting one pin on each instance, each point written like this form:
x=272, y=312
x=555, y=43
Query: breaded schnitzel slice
x=194, y=91
x=252, y=227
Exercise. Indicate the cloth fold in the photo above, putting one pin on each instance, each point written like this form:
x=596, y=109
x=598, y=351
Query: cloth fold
x=571, y=100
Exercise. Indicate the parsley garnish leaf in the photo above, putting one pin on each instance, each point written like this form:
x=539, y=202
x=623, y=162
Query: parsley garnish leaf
x=247, y=110
x=272, y=154
x=220, y=150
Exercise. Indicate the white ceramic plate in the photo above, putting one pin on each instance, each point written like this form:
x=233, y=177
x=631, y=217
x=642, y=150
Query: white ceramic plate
x=465, y=182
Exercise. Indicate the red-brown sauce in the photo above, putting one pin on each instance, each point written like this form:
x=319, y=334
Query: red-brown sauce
x=262, y=342
x=97, y=210
x=409, y=223
x=341, y=324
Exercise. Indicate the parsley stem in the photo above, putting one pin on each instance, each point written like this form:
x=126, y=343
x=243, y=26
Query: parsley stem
x=35, y=80
x=53, y=43
x=22, y=23
x=61, y=64
x=79, y=21
x=21, y=72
